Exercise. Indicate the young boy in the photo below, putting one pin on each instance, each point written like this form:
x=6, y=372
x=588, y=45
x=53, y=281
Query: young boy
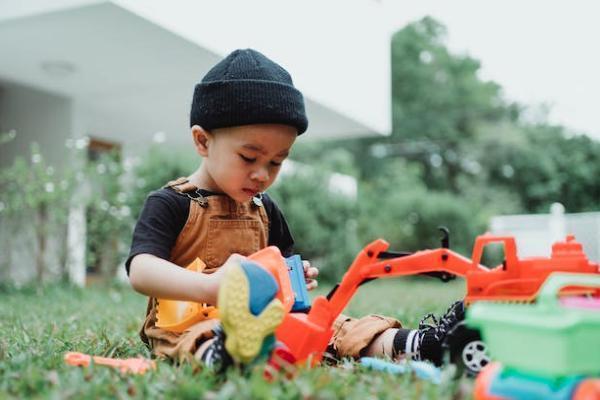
x=245, y=116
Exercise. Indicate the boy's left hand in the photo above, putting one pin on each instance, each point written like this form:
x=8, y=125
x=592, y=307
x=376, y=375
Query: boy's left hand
x=310, y=275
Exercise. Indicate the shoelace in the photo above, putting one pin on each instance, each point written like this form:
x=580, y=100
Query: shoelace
x=443, y=325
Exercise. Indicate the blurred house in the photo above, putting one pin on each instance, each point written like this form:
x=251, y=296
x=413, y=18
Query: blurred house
x=121, y=73
x=535, y=233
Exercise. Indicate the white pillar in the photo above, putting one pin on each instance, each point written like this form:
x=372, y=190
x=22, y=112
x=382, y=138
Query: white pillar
x=76, y=240
x=557, y=224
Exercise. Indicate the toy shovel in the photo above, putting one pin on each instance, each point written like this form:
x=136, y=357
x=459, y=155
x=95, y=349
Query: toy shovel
x=131, y=365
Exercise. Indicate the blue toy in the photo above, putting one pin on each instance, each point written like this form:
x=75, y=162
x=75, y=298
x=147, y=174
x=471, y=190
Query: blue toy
x=421, y=370
x=296, y=271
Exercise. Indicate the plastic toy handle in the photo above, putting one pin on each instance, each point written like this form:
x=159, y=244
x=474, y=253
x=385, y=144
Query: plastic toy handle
x=548, y=294
x=422, y=370
x=133, y=365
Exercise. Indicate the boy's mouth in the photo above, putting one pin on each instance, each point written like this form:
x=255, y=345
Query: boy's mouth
x=250, y=192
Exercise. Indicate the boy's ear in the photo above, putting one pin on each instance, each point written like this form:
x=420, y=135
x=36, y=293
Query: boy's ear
x=201, y=140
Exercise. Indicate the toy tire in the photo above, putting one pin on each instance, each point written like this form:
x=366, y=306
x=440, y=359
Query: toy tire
x=466, y=350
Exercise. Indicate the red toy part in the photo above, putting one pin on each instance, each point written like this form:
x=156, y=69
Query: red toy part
x=519, y=280
x=588, y=390
x=270, y=258
x=132, y=365
x=484, y=381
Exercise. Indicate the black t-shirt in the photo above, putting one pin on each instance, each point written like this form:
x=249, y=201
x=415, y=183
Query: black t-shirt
x=165, y=213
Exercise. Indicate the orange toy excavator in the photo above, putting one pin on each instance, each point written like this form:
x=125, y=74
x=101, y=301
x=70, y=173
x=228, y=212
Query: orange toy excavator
x=307, y=335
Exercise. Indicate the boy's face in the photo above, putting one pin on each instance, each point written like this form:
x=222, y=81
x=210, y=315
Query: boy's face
x=244, y=160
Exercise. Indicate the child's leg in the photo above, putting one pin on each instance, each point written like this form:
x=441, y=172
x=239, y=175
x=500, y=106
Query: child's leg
x=383, y=345
x=378, y=336
x=369, y=335
x=424, y=343
x=202, y=349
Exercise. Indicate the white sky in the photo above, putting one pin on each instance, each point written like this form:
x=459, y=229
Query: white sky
x=538, y=51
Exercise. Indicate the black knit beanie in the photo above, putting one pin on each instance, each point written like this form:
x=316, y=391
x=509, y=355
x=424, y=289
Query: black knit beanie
x=247, y=88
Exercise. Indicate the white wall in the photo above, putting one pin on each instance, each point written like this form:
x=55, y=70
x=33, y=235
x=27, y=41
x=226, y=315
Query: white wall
x=535, y=234
x=10, y=9
x=36, y=117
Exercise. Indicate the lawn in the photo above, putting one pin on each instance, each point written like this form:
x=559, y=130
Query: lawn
x=38, y=325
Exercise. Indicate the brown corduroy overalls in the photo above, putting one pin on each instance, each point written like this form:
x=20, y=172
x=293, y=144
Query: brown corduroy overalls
x=213, y=231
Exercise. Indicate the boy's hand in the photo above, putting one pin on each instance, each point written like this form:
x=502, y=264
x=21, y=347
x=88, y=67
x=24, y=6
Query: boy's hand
x=217, y=276
x=310, y=275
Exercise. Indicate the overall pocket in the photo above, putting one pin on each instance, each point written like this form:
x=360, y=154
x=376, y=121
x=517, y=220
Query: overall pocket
x=226, y=236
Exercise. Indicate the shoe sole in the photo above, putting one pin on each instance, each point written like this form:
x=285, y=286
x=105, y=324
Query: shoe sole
x=245, y=332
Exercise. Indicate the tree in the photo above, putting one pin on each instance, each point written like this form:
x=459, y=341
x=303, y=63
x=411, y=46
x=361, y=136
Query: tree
x=543, y=164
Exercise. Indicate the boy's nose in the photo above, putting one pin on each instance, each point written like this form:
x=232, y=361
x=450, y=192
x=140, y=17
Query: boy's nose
x=261, y=175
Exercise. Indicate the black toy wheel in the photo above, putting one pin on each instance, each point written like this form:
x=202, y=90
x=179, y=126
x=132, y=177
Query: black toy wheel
x=466, y=350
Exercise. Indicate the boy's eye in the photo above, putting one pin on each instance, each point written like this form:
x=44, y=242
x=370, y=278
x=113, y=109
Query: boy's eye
x=276, y=164
x=247, y=159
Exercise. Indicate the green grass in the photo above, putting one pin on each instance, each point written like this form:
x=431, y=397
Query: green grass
x=37, y=326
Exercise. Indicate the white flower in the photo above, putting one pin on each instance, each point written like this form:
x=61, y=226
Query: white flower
x=121, y=197
x=82, y=143
x=159, y=137
x=128, y=164
x=104, y=205
x=50, y=171
x=2, y=206
x=36, y=158
x=413, y=218
x=426, y=57
x=49, y=186
x=471, y=166
x=101, y=168
x=508, y=171
x=125, y=211
x=436, y=160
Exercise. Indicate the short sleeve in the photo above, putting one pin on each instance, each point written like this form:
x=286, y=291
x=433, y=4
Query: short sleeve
x=279, y=232
x=162, y=218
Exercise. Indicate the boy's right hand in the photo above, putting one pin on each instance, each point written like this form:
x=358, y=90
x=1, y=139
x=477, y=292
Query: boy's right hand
x=217, y=276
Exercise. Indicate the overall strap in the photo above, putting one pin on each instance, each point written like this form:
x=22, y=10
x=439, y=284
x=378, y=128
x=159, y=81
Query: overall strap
x=184, y=186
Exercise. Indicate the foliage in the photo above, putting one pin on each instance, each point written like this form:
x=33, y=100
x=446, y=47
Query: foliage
x=566, y=170
x=323, y=221
x=104, y=321
x=34, y=197
x=158, y=166
x=109, y=218
x=439, y=100
x=399, y=208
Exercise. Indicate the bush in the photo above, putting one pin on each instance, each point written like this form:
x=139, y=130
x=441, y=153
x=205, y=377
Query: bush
x=322, y=222
x=155, y=169
x=398, y=208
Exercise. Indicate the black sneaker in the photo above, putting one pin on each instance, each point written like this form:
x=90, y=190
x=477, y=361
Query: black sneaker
x=433, y=331
x=215, y=356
